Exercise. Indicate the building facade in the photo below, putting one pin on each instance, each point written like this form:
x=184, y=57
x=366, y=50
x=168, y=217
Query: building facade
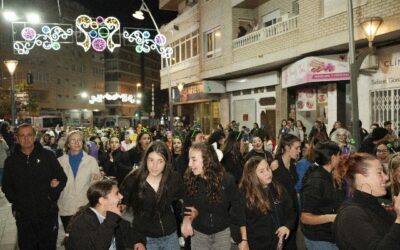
x=252, y=46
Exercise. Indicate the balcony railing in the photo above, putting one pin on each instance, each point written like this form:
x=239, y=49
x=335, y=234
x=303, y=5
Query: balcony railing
x=266, y=33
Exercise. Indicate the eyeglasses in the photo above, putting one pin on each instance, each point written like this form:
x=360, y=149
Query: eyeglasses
x=382, y=151
x=74, y=141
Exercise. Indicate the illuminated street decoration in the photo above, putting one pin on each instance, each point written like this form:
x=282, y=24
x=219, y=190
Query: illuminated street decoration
x=113, y=97
x=144, y=44
x=26, y=36
x=99, y=33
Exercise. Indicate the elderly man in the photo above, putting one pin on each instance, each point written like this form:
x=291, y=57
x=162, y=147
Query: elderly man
x=32, y=182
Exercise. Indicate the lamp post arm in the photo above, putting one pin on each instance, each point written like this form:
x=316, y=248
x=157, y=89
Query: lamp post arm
x=146, y=8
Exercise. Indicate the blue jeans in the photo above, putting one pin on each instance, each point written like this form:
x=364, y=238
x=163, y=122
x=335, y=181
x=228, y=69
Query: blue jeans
x=319, y=245
x=169, y=242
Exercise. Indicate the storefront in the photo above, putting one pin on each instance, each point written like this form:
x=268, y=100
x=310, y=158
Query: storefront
x=383, y=89
x=201, y=102
x=253, y=99
x=318, y=89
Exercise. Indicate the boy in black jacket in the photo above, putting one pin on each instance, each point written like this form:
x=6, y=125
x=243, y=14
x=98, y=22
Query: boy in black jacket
x=99, y=225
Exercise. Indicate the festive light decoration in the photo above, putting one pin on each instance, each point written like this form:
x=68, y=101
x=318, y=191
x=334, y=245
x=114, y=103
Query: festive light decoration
x=99, y=33
x=144, y=44
x=47, y=36
x=115, y=96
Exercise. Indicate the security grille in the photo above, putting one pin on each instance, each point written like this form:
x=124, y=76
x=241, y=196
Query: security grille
x=385, y=106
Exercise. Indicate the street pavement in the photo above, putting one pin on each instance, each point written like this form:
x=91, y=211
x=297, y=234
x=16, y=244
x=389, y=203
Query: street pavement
x=8, y=230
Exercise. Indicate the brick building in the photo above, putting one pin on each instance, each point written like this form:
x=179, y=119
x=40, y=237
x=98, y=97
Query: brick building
x=263, y=72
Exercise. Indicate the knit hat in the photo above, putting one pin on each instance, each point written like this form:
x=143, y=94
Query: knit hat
x=379, y=133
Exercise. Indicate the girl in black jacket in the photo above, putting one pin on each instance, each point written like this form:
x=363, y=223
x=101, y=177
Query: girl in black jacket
x=116, y=163
x=269, y=213
x=152, y=190
x=215, y=196
x=233, y=159
x=321, y=197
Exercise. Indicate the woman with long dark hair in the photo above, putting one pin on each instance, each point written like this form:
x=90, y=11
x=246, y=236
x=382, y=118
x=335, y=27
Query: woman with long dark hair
x=150, y=192
x=233, y=160
x=269, y=213
x=214, y=194
x=284, y=171
x=116, y=163
x=142, y=142
x=182, y=161
x=321, y=198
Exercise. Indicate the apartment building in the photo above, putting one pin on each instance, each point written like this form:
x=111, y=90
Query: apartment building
x=263, y=61
x=59, y=77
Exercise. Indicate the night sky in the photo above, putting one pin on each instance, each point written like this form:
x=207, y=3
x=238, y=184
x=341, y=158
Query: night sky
x=123, y=9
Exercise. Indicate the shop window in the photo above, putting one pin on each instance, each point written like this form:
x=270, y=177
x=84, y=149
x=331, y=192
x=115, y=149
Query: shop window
x=385, y=107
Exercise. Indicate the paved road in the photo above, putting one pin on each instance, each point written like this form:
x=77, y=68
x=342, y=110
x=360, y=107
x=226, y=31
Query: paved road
x=8, y=230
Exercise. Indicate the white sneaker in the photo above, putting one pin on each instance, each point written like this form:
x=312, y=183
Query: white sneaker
x=181, y=242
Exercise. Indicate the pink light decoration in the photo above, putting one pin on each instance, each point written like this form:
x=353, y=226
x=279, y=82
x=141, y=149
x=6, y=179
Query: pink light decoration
x=99, y=44
x=28, y=33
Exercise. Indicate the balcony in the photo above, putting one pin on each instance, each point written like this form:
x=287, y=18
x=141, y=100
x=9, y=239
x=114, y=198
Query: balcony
x=263, y=34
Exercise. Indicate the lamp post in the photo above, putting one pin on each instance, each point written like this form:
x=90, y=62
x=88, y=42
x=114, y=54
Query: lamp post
x=370, y=27
x=139, y=15
x=12, y=66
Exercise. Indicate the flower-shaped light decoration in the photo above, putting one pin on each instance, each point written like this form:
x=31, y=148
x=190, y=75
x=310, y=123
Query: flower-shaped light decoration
x=99, y=33
x=144, y=44
x=47, y=36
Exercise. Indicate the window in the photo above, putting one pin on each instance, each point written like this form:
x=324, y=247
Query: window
x=195, y=50
x=333, y=7
x=184, y=48
x=271, y=18
x=213, y=42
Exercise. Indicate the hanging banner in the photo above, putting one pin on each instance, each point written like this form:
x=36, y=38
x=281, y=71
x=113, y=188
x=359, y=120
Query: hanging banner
x=316, y=69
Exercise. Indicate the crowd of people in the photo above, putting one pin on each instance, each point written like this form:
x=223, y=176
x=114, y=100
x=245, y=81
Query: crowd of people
x=140, y=188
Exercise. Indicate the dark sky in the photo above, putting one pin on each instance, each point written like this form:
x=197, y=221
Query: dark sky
x=123, y=9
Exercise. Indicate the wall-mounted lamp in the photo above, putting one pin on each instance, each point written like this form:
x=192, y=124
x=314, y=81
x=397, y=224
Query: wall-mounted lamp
x=370, y=27
x=180, y=87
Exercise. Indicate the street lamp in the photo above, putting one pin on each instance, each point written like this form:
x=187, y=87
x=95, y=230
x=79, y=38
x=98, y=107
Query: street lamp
x=139, y=15
x=370, y=27
x=12, y=66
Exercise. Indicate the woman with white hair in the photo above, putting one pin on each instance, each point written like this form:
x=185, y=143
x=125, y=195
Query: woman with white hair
x=81, y=170
x=342, y=137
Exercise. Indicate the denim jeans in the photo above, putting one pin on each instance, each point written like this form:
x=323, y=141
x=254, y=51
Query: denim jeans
x=169, y=242
x=217, y=241
x=320, y=245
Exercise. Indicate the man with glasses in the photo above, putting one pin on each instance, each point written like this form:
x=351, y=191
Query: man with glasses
x=32, y=182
